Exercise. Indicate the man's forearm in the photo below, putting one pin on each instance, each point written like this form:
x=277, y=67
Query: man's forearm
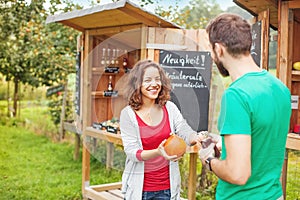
x=229, y=173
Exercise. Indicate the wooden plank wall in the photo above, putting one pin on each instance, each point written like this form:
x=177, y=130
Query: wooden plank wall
x=177, y=39
x=283, y=69
x=265, y=32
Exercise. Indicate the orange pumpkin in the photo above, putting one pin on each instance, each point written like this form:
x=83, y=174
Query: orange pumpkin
x=175, y=145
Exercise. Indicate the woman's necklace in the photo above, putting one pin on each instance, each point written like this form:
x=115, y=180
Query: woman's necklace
x=146, y=115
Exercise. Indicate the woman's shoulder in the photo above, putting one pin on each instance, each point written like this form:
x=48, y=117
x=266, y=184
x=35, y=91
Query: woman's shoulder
x=127, y=109
x=170, y=104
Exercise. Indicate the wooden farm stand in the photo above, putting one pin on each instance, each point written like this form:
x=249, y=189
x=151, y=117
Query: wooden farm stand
x=130, y=33
x=283, y=16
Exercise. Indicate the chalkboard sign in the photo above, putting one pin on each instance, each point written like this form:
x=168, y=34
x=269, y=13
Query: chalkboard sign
x=190, y=74
x=77, y=84
x=256, y=42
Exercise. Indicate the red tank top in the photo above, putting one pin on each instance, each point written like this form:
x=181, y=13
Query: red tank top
x=156, y=172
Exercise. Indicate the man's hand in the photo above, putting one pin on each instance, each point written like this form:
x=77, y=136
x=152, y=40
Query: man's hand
x=206, y=152
x=216, y=139
x=209, y=147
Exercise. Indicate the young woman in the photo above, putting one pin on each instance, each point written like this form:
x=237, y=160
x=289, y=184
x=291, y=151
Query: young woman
x=145, y=123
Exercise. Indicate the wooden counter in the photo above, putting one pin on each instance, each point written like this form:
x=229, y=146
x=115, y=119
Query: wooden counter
x=293, y=141
x=104, y=135
x=116, y=138
x=112, y=138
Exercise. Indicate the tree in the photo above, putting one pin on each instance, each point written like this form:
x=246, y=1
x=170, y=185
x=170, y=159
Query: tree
x=19, y=21
x=194, y=16
x=32, y=52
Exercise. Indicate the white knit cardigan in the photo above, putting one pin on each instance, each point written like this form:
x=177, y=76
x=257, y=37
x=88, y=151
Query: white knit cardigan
x=133, y=174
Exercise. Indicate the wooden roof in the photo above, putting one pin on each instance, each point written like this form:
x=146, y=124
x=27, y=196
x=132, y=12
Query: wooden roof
x=119, y=13
x=257, y=6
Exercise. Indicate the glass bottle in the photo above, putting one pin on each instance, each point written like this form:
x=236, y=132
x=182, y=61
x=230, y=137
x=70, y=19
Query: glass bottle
x=110, y=86
x=103, y=57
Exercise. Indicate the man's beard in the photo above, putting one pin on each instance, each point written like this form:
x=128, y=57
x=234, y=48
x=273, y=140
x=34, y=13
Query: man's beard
x=223, y=71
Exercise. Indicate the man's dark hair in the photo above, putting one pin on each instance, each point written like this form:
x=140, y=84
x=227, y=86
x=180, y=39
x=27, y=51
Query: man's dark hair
x=231, y=31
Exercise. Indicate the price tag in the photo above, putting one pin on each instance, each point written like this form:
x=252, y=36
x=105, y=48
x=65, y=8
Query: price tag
x=295, y=101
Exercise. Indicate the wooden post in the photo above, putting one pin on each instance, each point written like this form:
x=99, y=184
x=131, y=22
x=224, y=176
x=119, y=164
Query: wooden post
x=110, y=148
x=144, y=32
x=77, y=146
x=85, y=168
x=212, y=105
x=283, y=68
x=265, y=33
x=86, y=110
x=192, y=176
x=284, y=173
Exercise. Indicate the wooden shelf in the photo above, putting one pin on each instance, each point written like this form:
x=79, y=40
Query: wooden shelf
x=295, y=75
x=104, y=135
x=296, y=72
x=100, y=70
x=100, y=94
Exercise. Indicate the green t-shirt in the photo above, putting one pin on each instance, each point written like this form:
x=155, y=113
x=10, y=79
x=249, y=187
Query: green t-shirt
x=256, y=104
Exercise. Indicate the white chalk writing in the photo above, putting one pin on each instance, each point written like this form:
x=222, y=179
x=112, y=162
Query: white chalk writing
x=169, y=59
x=181, y=76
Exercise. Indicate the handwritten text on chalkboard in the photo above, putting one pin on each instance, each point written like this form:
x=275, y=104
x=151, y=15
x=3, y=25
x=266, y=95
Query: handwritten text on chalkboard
x=197, y=60
x=190, y=74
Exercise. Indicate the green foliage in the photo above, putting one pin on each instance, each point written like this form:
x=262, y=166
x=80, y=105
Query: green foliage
x=55, y=108
x=26, y=92
x=21, y=39
x=3, y=88
x=194, y=16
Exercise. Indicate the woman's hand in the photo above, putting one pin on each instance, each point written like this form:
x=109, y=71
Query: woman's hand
x=196, y=139
x=162, y=152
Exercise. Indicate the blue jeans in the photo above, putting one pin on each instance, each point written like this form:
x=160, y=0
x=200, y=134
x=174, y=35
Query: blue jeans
x=157, y=195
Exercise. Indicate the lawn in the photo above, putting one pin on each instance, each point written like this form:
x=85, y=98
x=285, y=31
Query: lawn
x=293, y=176
x=33, y=166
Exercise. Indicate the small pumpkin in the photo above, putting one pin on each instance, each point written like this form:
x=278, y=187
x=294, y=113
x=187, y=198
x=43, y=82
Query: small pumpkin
x=175, y=145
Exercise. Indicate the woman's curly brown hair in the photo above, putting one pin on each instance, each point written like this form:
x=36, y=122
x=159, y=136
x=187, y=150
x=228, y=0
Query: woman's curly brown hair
x=135, y=79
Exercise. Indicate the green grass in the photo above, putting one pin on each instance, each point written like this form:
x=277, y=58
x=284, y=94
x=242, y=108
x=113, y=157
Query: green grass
x=293, y=176
x=33, y=167
x=38, y=119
